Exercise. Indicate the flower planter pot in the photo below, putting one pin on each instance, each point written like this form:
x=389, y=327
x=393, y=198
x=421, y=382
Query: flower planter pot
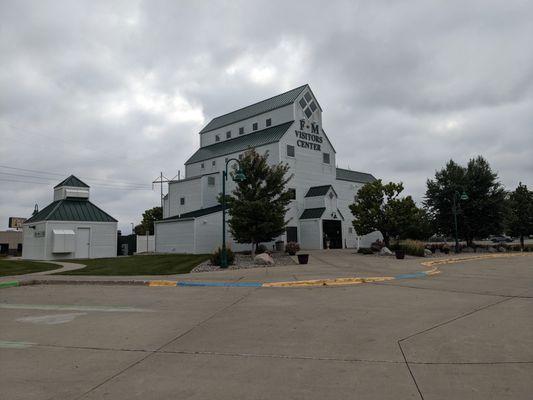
x=303, y=258
x=400, y=254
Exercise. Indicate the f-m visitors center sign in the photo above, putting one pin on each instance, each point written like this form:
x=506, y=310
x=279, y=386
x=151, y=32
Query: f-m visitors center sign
x=308, y=140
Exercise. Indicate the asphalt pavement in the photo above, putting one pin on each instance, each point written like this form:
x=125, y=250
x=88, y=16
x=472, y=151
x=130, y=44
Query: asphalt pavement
x=465, y=333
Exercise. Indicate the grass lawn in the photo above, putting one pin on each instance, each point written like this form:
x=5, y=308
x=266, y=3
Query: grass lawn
x=19, y=267
x=161, y=264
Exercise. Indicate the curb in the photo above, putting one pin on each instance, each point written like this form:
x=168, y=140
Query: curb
x=304, y=283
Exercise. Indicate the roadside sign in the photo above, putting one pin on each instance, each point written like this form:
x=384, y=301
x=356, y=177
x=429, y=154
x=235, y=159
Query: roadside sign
x=16, y=222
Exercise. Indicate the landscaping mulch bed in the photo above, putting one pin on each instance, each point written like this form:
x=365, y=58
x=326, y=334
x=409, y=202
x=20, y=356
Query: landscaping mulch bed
x=244, y=261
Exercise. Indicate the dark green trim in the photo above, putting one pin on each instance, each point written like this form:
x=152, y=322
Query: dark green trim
x=260, y=138
x=72, y=181
x=313, y=213
x=71, y=209
x=354, y=176
x=272, y=103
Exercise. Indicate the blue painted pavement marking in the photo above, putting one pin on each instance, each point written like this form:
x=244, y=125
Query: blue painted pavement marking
x=413, y=275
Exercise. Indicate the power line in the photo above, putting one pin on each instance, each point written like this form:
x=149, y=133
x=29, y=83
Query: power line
x=96, y=180
x=48, y=183
x=12, y=180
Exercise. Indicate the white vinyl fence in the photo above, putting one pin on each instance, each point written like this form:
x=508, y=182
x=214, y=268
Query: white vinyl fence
x=145, y=243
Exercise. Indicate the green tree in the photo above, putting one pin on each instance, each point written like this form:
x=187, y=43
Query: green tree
x=147, y=223
x=378, y=207
x=520, y=216
x=482, y=214
x=258, y=205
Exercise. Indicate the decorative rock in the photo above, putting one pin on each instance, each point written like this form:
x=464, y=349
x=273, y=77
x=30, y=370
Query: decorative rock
x=501, y=249
x=264, y=259
x=427, y=253
x=385, y=252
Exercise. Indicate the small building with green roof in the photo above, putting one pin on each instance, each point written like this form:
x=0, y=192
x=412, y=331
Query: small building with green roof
x=70, y=227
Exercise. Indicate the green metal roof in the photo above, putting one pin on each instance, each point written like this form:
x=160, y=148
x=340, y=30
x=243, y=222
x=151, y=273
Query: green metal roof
x=256, y=139
x=72, y=181
x=195, y=213
x=316, y=191
x=261, y=107
x=71, y=210
x=313, y=213
x=354, y=176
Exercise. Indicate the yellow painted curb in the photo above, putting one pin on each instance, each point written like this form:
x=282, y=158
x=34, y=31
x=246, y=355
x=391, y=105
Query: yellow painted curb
x=328, y=282
x=472, y=258
x=162, y=283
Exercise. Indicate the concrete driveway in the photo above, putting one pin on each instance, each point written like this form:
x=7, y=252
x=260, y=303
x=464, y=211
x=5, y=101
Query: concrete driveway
x=466, y=333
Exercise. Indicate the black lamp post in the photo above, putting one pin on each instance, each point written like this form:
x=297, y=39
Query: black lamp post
x=239, y=177
x=463, y=197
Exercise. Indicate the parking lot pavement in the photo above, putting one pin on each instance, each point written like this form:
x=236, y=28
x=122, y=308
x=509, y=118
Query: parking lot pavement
x=465, y=333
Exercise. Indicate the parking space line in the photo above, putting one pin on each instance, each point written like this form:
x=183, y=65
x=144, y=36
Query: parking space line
x=63, y=307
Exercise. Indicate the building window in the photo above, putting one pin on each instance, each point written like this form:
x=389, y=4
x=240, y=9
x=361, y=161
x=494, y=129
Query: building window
x=313, y=106
x=228, y=134
x=254, y=126
x=292, y=192
x=350, y=230
x=325, y=158
x=211, y=180
x=307, y=96
x=268, y=122
x=217, y=138
x=240, y=156
x=214, y=162
x=303, y=103
x=241, y=130
x=182, y=201
x=202, y=165
x=290, y=151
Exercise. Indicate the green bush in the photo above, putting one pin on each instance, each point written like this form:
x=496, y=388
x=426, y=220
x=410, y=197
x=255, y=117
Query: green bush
x=365, y=250
x=261, y=249
x=410, y=247
x=215, y=257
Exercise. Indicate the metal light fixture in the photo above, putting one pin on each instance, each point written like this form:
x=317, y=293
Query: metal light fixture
x=462, y=197
x=238, y=177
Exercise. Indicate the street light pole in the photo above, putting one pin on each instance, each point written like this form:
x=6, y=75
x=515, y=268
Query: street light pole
x=463, y=196
x=239, y=177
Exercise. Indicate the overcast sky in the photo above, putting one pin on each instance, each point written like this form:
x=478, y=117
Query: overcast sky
x=115, y=92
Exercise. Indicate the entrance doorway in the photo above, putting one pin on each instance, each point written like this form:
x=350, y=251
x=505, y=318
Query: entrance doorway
x=83, y=241
x=332, y=232
x=292, y=234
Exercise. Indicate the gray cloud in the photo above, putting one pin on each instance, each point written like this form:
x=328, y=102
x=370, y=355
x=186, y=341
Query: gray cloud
x=117, y=91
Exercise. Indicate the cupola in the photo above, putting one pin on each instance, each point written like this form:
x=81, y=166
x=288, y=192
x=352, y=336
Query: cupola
x=72, y=187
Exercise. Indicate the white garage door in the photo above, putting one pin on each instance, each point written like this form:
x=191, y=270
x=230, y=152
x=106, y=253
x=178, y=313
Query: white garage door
x=174, y=237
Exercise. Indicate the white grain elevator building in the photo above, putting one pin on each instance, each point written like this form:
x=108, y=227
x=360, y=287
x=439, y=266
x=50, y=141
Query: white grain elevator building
x=289, y=127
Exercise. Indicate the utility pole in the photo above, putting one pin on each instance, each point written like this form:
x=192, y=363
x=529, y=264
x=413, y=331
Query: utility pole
x=161, y=179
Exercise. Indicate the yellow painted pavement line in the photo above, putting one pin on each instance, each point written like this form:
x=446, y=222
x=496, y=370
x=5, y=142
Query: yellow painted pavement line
x=162, y=283
x=472, y=258
x=328, y=282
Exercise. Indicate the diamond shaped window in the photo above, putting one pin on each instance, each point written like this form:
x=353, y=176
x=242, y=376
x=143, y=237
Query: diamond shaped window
x=302, y=102
x=308, y=112
x=313, y=106
x=308, y=97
